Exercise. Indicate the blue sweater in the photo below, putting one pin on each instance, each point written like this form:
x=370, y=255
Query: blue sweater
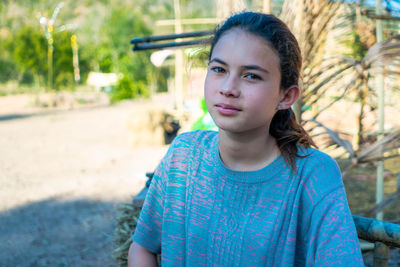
x=200, y=213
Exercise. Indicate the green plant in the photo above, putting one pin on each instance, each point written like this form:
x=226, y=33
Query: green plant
x=30, y=51
x=62, y=60
x=8, y=70
x=127, y=89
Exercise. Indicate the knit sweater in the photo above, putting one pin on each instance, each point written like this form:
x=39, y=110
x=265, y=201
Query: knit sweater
x=198, y=212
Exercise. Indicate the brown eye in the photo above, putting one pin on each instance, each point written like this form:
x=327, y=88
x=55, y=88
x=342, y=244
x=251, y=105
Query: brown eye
x=252, y=76
x=218, y=69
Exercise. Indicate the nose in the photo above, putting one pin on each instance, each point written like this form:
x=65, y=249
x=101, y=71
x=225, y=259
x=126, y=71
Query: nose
x=229, y=87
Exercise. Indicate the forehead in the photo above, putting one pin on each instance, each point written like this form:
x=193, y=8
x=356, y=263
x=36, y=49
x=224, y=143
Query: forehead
x=240, y=44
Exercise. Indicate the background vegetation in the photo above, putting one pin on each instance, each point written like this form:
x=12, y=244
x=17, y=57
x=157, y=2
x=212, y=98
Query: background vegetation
x=103, y=30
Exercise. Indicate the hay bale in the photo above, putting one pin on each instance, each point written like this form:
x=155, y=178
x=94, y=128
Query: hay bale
x=152, y=126
x=127, y=216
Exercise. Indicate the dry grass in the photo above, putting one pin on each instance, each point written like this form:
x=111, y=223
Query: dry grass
x=360, y=183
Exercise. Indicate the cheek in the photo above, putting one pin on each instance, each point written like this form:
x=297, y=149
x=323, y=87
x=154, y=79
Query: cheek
x=207, y=91
x=263, y=103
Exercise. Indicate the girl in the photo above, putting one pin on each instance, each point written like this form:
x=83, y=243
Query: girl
x=254, y=193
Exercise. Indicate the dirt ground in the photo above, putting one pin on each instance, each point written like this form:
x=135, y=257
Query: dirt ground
x=62, y=172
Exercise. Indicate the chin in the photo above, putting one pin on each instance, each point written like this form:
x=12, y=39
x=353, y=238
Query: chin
x=236, y=129
x=230, y=129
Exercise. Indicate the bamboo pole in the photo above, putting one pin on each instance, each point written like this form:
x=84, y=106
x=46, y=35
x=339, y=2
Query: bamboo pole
x=75, y=58
x=381, y=255
x=50, y=52
x=373, y=230
x=267, y=6
x=179, y=61
x=300, y=35
x=188, y=21
x=381, y=115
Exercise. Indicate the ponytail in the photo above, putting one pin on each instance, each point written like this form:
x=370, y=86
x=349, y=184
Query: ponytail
x=289, y=135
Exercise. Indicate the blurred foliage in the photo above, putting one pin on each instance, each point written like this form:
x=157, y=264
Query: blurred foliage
x=30, y=57
x=118, y=58
x=103, y=29
x=127, y=88
x=8, y=68
x=30, y=53
x=358, y=49
x=62, y=61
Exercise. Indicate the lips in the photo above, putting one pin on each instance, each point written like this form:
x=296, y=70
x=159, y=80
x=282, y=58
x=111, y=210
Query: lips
x=226, y=109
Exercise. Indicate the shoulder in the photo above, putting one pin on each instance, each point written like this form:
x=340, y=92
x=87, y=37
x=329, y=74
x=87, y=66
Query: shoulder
x=186, y=144
x=195, y=139
x=313, y=160
x=319, y=173
x=195, y=136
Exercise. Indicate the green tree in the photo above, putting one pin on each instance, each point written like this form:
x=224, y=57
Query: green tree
x=8, y=69
x=115, y=54
x=62, y=61
x=30, y=56
x=30, y=51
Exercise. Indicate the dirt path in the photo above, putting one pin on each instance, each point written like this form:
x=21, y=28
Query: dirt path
x=61, y=175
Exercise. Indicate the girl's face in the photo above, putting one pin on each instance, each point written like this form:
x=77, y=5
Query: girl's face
x=242, y=86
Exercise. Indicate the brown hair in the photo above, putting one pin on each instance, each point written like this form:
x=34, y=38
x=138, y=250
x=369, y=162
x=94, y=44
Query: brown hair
x=289, y=134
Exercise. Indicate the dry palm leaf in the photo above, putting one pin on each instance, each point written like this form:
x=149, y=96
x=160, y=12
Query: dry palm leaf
x=372, y=153
x=337, y=139
x=376, y=151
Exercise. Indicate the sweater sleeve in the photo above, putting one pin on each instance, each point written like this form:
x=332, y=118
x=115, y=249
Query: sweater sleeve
x=167, y=190
x=328, y=233
x=149, y=226
x=332, y=239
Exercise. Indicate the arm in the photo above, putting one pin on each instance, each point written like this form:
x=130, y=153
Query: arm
x=328, y=231
x=147, y=236
x=332, y=239
x=139, y=256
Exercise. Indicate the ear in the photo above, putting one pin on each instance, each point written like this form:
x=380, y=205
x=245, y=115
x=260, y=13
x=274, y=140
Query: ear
x=289, y=96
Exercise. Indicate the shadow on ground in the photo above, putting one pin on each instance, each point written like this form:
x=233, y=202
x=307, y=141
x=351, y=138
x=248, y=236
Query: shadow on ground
x=58, y=233
x=16, y=116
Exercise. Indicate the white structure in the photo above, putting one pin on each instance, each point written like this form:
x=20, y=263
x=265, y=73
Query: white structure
x=102, y=80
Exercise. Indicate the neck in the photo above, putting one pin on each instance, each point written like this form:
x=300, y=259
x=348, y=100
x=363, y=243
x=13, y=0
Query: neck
x=247, y=152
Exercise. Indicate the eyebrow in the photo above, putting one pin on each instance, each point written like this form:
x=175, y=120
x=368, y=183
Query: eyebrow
x=247, y=67
x=217, y=60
